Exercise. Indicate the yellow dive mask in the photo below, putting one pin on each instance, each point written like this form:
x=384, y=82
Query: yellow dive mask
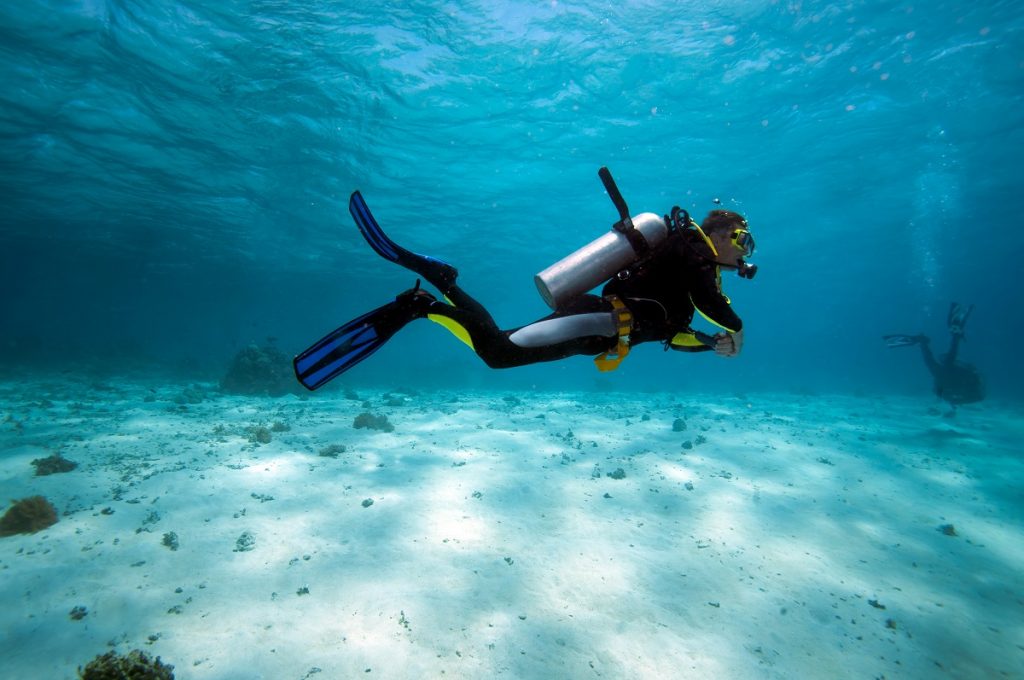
x=743, y=240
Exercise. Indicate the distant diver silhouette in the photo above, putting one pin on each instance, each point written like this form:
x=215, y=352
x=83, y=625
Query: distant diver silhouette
x=956, y=382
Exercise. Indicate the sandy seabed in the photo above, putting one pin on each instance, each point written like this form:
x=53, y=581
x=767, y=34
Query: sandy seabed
x=523, y=535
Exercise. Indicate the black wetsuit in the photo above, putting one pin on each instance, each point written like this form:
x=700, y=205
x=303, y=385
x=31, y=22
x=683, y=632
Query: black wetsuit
x=664, y=293
x=955, y=381
x=661, y=294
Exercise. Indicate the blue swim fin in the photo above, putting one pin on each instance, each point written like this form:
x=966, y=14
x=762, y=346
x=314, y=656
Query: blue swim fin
x=347, y=345
x=441, y=274
x=340, y=350
x=956, y=320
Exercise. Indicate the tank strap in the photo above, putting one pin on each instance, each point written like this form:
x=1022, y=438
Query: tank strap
x=610, y=360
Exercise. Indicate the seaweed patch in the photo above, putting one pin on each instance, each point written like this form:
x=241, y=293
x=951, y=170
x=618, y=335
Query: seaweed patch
x=27, y=516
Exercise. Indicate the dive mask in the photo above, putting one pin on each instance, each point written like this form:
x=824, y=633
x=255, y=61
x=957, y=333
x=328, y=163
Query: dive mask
x=743, y=240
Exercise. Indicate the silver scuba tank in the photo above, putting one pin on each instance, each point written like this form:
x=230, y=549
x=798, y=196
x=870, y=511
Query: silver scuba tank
x=597, y=261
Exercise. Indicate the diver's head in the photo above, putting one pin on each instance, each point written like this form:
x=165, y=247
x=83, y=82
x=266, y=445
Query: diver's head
x=732, y=239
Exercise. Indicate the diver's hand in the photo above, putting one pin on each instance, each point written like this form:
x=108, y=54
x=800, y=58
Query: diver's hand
x=728, y=344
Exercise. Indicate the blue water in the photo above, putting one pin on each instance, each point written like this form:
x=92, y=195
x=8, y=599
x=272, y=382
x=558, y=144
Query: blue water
x=175, y=175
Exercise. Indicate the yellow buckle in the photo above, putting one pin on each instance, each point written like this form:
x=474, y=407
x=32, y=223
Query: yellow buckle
x=610, y=360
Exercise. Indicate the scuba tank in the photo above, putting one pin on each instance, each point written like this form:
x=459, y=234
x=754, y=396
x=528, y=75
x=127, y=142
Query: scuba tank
x=630, y=239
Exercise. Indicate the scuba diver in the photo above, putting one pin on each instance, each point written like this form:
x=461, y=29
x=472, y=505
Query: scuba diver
x=956, y=382
x=657, y=271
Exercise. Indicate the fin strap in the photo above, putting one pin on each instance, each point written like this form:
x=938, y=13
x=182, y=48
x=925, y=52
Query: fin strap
x=610, y=360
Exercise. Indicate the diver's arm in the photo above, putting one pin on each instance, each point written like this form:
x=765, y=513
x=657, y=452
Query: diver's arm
x=709, y=300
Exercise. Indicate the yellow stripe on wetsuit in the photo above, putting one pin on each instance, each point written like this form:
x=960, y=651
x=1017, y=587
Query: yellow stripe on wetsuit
x=453, y=327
